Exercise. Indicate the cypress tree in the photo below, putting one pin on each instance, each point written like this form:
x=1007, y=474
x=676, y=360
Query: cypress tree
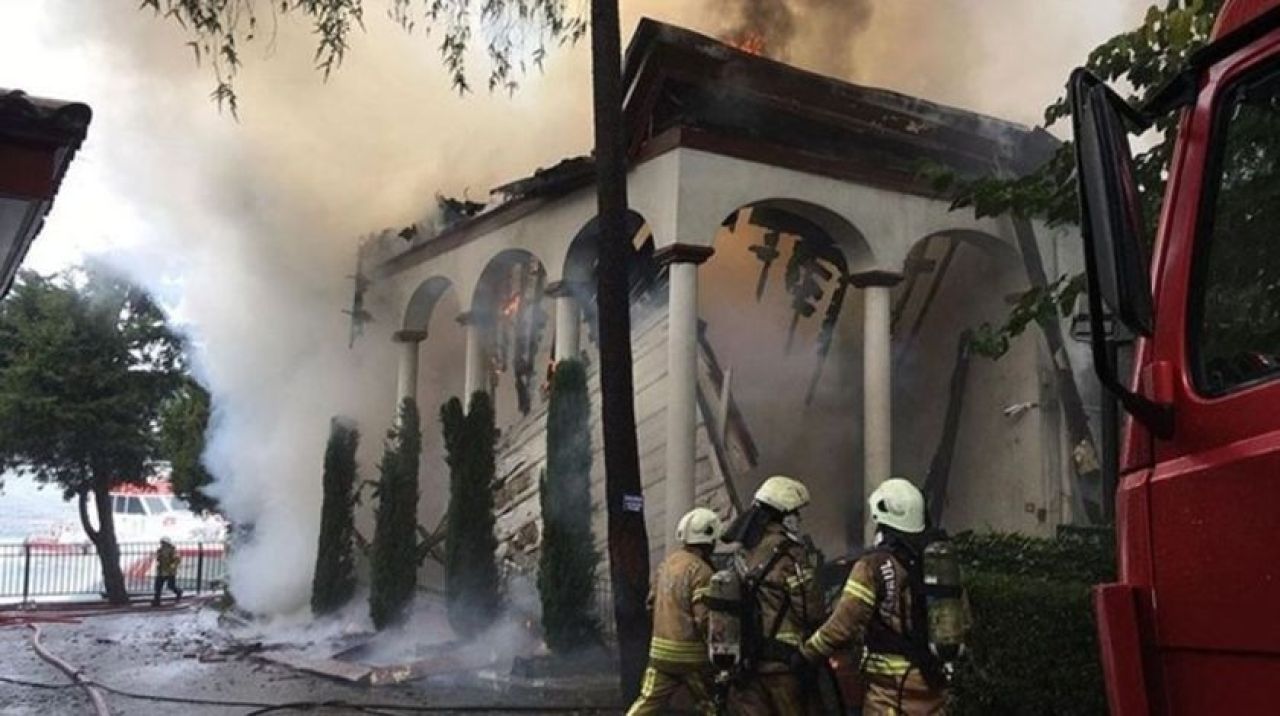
x=568, y=562
x=335, y=580
x=471, y=572
x=395, y=538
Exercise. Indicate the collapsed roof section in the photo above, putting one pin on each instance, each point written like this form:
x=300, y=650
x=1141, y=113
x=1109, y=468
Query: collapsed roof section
x=684, y=89
x=38, y=138
x=690, y=89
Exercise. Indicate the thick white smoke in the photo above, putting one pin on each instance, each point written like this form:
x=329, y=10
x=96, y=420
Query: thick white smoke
x=247, y=229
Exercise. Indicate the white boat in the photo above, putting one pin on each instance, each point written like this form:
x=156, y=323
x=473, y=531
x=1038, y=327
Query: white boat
x=145, y=513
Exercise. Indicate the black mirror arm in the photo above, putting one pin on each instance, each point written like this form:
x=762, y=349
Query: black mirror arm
x=1156, y=417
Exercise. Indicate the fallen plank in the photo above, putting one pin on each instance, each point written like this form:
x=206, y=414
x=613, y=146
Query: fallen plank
x=332, y=668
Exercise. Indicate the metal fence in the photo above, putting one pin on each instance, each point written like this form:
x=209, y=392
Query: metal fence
x=32, y=571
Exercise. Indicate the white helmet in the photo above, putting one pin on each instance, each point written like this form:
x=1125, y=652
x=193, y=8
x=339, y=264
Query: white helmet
x=783, y=494
x=898, y=504
x=166, y=540
x=698, y=526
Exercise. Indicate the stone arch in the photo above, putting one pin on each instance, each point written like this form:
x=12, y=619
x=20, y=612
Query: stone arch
x=422, y=304
x=816, y=223
x=952, y=433
x=509, y=308
x=578, y=273
x=580, y=259
x=782, y=313
x=926, y=267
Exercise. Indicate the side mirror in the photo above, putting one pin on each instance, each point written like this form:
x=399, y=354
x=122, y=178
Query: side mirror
x=1111, y=223
x=1110, y=208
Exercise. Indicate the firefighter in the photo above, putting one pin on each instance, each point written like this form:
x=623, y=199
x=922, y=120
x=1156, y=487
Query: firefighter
x=678, y=652
x=167, y=561
x=876, y=617
x=779, y=578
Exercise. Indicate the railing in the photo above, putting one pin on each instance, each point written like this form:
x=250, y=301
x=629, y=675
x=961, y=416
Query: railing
x=36, y=570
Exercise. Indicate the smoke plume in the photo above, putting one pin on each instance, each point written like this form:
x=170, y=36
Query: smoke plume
x=815, y=33
x=246, y=230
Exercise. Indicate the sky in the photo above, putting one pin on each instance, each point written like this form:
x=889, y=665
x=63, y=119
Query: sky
x=246, y=230
x=1010, y=66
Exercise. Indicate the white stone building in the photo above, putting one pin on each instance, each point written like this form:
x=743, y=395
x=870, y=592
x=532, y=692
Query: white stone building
x=785, y=214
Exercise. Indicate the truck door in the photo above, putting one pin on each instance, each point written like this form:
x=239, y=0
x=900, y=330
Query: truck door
x=1215, y=489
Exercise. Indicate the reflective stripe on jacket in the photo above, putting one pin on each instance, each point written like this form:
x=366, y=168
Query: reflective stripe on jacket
x=679, y=611
x=876, y=582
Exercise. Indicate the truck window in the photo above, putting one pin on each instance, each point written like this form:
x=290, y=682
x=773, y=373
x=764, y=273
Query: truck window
x=134, y=506
x=1235, y=303
x=156, y=505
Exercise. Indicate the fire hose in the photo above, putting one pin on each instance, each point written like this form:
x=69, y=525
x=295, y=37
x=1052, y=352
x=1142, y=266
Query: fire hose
x=96, y=689
x=95, y=696
x=73, y=616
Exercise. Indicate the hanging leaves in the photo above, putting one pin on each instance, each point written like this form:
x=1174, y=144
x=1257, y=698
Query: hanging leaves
x=1143, y=60
x=516, y=33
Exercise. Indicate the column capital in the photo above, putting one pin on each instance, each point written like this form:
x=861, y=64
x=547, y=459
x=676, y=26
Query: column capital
x=408, y=336
x=474, y=318
x=875, y=279
x=682, y=254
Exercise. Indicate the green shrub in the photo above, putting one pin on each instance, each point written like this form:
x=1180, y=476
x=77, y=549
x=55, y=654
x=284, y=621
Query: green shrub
x=334, y=582
x=1075, y=555
x=1033, y=648
x=568, y=561
x=394, y=560
x=471, y=572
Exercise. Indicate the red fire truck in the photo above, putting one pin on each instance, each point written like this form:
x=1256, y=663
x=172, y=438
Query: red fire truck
x=1192, y=626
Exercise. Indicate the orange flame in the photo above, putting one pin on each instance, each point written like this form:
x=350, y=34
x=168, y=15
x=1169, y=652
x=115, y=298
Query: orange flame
x=749, y=41
x=511, y=306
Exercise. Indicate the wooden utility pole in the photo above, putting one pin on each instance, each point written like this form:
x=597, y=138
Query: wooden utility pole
x=628, y=539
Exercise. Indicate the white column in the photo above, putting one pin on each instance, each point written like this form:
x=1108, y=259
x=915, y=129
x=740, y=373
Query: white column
x=682, y=380
x=407, y=375
x=568, y=321
x=474, y=366
x=877, y=383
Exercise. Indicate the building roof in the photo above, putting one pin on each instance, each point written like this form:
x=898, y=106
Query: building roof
x=684, y=89
x=679, y=81
x=38, y=138
x=36, y=119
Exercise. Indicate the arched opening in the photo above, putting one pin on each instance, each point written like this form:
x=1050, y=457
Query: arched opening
x=970, y=430
x=422, y=304
x=784, y=321
x=509, y=309
x=430, y=324
x=579, y=273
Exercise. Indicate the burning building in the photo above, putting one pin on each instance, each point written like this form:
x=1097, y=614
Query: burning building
x=801, y=300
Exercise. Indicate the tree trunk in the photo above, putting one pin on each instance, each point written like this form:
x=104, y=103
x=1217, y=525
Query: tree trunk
x=104, y=539
x=628, y=539
x=1084, y=453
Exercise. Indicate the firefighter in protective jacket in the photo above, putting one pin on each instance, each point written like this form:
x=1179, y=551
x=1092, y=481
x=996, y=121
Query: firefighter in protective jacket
x=167, y=561
x=779, y=568
x=875, y=612
x=678, y=651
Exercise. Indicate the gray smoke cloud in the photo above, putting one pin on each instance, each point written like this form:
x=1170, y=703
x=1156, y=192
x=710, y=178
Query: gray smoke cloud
x=246, y=230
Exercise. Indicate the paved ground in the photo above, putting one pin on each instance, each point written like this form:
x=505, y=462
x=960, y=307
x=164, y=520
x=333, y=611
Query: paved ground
x=177, y=654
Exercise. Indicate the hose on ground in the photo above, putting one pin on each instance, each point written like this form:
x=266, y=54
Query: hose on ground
x=263, y=707
x=95, y=689
x=95, y=696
